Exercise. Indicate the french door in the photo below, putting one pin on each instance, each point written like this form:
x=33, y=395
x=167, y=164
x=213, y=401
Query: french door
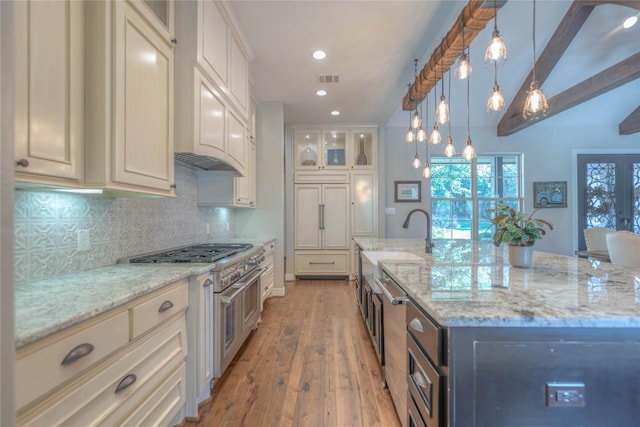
x=608, y=192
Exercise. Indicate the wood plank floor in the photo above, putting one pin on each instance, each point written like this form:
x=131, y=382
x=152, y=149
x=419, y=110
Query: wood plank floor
x=309, y=363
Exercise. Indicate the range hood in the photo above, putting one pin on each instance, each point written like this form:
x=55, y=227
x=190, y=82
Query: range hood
x=206, y=162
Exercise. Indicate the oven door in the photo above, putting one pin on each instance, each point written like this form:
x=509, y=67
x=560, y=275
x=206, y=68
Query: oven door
x=239, y=311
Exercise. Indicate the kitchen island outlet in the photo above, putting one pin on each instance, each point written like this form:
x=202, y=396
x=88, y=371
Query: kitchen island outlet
x=489, y=344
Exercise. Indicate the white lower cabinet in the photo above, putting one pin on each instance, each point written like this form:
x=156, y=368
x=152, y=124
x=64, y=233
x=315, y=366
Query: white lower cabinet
x=140, y=382
x=267, y=278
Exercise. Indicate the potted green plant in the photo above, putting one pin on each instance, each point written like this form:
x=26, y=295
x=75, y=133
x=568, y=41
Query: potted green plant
x=520, y=231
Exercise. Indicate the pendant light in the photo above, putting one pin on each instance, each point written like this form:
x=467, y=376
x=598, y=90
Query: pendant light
x=535, y=106
x=426, y=171
x=443, y=107
x=435, y=137
x=449, y=149
x=416, y=123
x=463, y=70
x=411, y=136
x=496, y=51
x=469, y=153
x=496, y=100
x=421, y=136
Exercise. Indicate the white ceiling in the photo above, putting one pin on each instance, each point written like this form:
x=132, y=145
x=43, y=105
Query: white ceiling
x=371, y=45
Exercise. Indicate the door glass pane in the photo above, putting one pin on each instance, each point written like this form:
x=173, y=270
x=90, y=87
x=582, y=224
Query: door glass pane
x=600, y=195
x=334, y=148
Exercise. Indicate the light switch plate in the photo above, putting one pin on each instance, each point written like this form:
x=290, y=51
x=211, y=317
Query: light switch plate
x=565, y=394
x=389, y=211
x=84, y=242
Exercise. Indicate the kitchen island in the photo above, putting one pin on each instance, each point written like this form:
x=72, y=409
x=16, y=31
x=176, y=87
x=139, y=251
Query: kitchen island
x=556, y=344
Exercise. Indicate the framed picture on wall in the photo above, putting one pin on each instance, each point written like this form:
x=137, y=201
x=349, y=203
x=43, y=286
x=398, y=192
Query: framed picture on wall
x=550, y=194
x=408, y=191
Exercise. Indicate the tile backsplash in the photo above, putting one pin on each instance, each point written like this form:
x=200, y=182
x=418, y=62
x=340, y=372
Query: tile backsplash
x=47, y=225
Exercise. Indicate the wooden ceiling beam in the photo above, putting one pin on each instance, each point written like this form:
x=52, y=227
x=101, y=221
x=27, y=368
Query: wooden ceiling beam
x=573, y=20
x=473, y=18
x=631, y=124
x=615, y=76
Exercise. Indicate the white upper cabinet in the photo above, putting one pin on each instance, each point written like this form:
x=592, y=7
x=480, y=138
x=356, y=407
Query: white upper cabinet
x=210, y=120
x=130, y=97
x=220, y=53
x=49, y=91
x=335, y=148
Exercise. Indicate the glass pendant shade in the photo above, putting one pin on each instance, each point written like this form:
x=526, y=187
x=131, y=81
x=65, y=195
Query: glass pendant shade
x=411, y=137
x=308, y=157
x=416, y=162
x=416, y=122
x=496, y=100
x=450, y=149
x=536, y=103
x=463, y=70
x=426, y=172
x=435, y=137
x=469, y=153
x=496, y=51
x=443, y=111
x=422, y=135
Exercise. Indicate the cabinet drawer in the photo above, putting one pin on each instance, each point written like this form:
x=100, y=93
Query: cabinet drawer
x=413, y=413
x=322, y=264
x=42, y=370
x=321, y=177
x=426, y=333
x=151, y=312
x=101, y=397
x=425, y=385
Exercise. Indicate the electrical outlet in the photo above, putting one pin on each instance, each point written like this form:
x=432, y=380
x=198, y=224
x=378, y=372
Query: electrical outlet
x=207, y=228
x=84, y=242
x=565, y=394
x=389, y=211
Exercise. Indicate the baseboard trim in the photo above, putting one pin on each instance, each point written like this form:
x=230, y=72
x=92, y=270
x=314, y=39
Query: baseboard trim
x=289, y=277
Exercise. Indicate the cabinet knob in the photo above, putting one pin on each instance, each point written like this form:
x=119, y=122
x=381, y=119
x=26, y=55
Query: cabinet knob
x=174, y=186
x=174, y=41
x=23, y=162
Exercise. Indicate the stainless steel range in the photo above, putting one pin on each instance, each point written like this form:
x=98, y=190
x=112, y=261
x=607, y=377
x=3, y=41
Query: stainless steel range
x=227, y=299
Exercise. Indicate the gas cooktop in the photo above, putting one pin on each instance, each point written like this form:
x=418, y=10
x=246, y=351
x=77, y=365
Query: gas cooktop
x=205, y=253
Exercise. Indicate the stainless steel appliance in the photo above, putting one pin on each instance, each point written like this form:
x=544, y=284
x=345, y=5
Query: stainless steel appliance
x=235, y=287
x=395, y=342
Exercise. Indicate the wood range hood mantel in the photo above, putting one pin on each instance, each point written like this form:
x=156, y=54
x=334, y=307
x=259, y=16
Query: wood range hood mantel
x=478, y=13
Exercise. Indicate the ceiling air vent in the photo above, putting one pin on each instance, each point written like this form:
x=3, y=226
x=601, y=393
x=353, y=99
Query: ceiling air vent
x=328, y=78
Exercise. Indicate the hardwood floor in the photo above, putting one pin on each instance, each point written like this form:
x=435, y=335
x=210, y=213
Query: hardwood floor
x=309, y=363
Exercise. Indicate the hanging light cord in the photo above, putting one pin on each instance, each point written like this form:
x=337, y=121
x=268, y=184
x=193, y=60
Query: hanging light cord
x=534, y=40
x=449, y=95
x=442, y=68
x=468, y=122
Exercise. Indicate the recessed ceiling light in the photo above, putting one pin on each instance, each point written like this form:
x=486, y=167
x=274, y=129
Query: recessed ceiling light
x=630, y=22
x=335, y=113
x=318, y=54
x=321, y=92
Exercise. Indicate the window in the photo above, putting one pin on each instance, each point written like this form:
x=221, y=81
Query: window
x=462, y=192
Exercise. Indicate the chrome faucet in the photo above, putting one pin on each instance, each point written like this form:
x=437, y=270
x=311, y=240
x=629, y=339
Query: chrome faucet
x=428, y=243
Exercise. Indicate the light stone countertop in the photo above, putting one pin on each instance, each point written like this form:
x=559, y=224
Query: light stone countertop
x=47, y=306
x=464, y=284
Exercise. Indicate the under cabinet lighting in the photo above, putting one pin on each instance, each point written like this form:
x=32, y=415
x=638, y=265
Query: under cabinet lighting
x=80, y=190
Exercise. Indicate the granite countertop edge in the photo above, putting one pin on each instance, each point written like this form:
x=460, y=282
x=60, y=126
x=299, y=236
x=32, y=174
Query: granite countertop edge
x=515, y=305
x=47, y=306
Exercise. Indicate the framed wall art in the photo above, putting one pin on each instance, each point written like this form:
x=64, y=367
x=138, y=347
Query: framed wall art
x=550, y=194
x=408, y=191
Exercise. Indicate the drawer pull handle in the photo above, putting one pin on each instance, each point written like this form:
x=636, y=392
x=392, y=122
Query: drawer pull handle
x=419, y=379
x=77, y=352
x=207, y=283
x=126, y=382
x=23, y=162
x=322, y=263
x=417, y=324
x=165, y=306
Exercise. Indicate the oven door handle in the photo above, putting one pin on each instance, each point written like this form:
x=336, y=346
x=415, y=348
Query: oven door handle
x=241, y=286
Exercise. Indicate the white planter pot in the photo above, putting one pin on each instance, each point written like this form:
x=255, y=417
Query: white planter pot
x=521, y=256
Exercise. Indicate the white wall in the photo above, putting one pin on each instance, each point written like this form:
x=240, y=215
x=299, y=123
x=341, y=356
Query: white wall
x=268, y=218
x=548, y=155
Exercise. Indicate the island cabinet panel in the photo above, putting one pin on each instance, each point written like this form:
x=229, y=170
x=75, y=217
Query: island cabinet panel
x=545, y=376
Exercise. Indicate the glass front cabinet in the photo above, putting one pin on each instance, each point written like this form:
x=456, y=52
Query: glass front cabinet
x=336, y=148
